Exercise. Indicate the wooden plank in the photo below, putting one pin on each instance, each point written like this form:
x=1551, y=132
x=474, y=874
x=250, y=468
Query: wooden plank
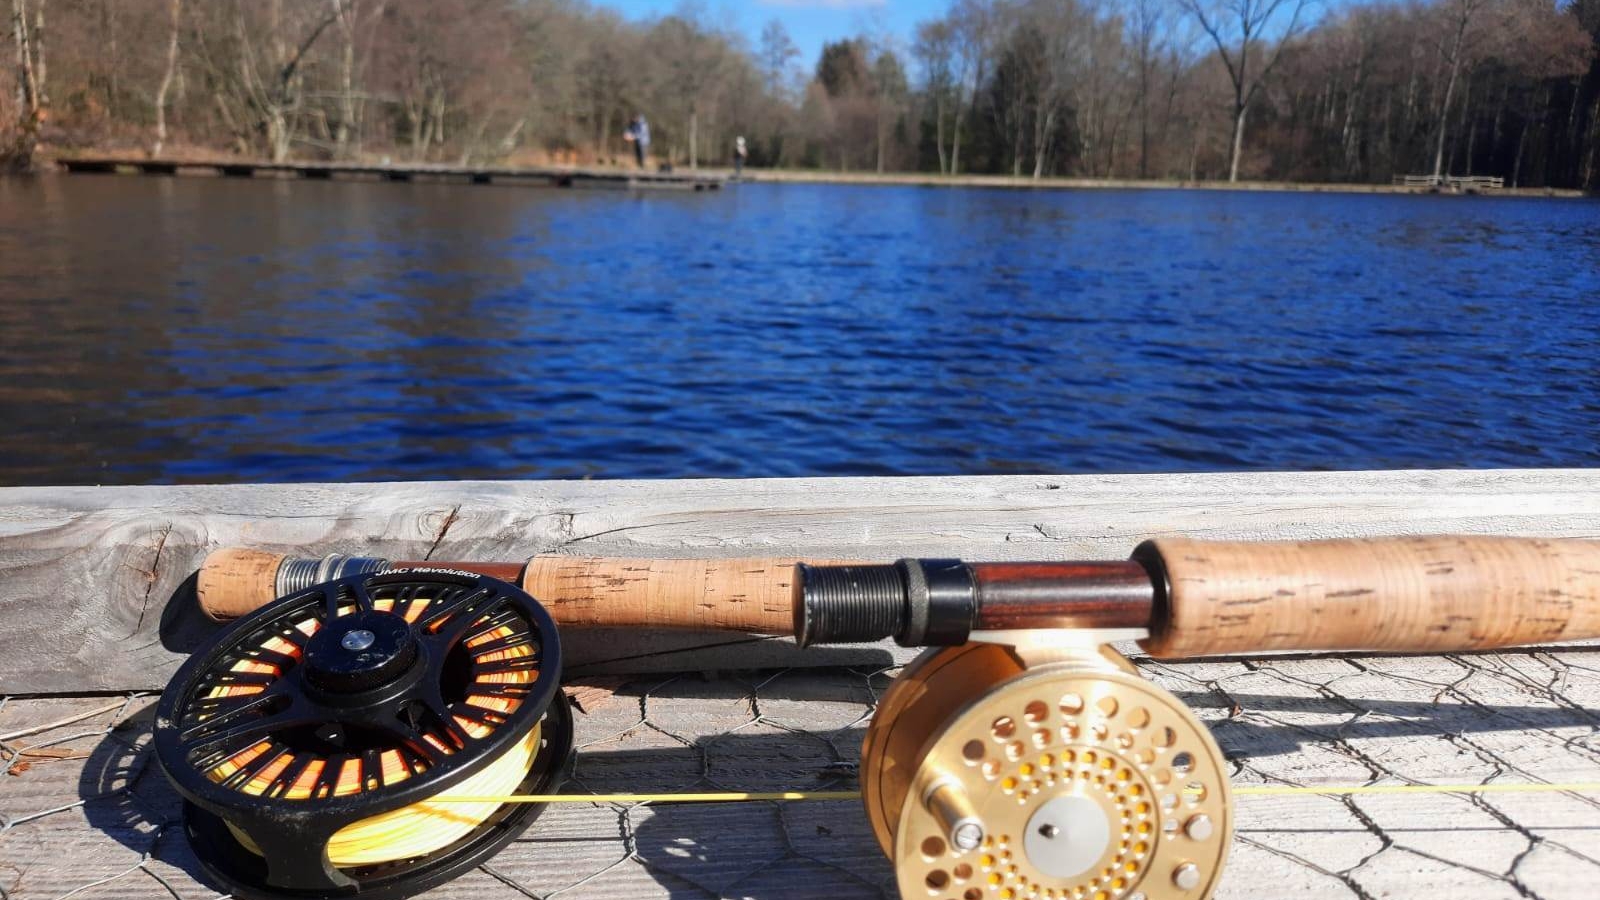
x=96, y=583
x=1510, y=717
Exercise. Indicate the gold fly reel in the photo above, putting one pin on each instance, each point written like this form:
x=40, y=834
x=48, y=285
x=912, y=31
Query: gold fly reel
x=1068, y=777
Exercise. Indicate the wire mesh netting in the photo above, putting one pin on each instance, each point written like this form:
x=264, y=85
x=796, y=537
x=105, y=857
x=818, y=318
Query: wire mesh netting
x=85, y=812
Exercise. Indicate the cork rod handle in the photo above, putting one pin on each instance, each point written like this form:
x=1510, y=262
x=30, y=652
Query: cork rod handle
x=747, y=595
x=1404, y=594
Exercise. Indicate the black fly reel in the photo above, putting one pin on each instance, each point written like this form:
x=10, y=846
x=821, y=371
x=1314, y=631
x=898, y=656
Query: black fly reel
x=309, y=737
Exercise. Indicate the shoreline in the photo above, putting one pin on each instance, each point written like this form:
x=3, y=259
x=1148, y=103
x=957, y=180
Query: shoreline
x=929, y=179
x=183, y=165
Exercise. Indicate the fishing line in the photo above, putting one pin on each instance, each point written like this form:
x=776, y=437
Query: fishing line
x=830, y=796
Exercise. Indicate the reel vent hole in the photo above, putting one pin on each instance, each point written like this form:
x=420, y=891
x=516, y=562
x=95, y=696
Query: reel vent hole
x=1195, y=793
x=1138, y=718
x=932, y=847
x=937, y=881
x=1003, y=728
x=962, y=872
x=1035, y=712
x=972, y=894
x=972, y=752
x=1182, y=763
x=1071, y=704
x=1164, y=737
x=1107, y=706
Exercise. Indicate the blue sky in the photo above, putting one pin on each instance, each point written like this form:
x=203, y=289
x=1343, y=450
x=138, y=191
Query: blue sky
x=810, y=22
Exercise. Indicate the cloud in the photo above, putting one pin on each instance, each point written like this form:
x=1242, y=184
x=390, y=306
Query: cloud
x=825, y=4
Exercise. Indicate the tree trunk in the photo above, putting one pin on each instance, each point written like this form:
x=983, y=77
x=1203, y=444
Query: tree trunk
x=19, y=156
x=345, y=13
x=1449, y=93
x=278, y=133
x=882, y=137
x=955, y=142
x=1239, y=111
x=1044, y=124
x=1516, y=167
x=694, y=138
x=938, y=132
x=175, y=13
x=37, y=36
x=108, y=22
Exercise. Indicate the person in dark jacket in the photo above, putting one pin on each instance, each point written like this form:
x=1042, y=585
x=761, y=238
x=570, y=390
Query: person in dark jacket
x=638, y=134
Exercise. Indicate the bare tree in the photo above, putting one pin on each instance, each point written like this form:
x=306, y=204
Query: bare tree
x=934, y=51
x=778, y=56
x=29, y=101
x=175, y=14
x=973, y=28
x=1147, y=24
x=1250, y=36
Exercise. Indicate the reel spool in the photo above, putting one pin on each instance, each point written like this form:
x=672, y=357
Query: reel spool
x=1043, y=772
x=308, y=737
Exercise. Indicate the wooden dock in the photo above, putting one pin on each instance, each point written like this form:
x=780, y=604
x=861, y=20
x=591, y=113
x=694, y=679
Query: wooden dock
x=95, y=596
x=547, y=176
x=1452, y=184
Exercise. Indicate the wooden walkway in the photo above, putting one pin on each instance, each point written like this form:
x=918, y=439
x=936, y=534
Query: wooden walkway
x=93, y=594
x=552, y=176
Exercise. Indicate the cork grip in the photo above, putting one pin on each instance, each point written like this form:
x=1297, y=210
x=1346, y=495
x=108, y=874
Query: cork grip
x=235, y=580
x=1405, y=594
x=748, y=595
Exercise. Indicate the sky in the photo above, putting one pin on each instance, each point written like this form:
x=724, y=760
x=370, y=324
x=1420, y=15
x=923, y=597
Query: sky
x=811, y=23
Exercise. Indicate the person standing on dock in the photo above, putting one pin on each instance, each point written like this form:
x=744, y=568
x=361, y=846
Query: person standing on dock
x=740, y=153
x=638, y=134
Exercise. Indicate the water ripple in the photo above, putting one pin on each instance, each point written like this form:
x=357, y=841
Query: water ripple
x=161, y=330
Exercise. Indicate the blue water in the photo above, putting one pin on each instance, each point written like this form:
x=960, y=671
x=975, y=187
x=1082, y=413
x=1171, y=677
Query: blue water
x=160, y=330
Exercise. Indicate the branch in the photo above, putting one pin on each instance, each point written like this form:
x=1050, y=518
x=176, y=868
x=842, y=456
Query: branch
x=294, y=62
x=1289, y=34
x=1194, y=8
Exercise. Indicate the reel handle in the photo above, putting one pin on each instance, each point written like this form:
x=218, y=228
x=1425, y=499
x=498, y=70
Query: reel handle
x=1405, y=594
x=754, y=596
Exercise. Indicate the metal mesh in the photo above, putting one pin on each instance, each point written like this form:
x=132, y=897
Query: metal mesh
x=84, y=812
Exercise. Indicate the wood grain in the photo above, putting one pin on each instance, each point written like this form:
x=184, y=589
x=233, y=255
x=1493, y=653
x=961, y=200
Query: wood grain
x=1417, y=594
x=96, y=582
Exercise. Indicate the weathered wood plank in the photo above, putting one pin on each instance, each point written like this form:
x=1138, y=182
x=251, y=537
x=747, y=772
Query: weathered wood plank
x=93, y=580
x=1509, y=717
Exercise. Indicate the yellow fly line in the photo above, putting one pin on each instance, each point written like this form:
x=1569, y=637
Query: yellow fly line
x=1263, y=790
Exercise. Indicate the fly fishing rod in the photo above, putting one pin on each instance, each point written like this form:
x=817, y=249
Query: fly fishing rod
x=374, y=729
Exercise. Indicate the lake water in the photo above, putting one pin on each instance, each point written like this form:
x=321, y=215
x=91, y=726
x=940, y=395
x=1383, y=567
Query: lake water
x=161, y=330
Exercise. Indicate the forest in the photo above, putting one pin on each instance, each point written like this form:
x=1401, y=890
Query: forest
x=1290, y=90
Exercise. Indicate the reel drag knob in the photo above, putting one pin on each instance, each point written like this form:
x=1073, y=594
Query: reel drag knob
x=1071, y=779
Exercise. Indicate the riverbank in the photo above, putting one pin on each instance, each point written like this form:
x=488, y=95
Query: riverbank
x=706, y=176
x=930, y=179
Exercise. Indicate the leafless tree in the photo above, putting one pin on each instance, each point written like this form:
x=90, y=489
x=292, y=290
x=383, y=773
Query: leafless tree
x=1250, y=36
x=175, y=12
